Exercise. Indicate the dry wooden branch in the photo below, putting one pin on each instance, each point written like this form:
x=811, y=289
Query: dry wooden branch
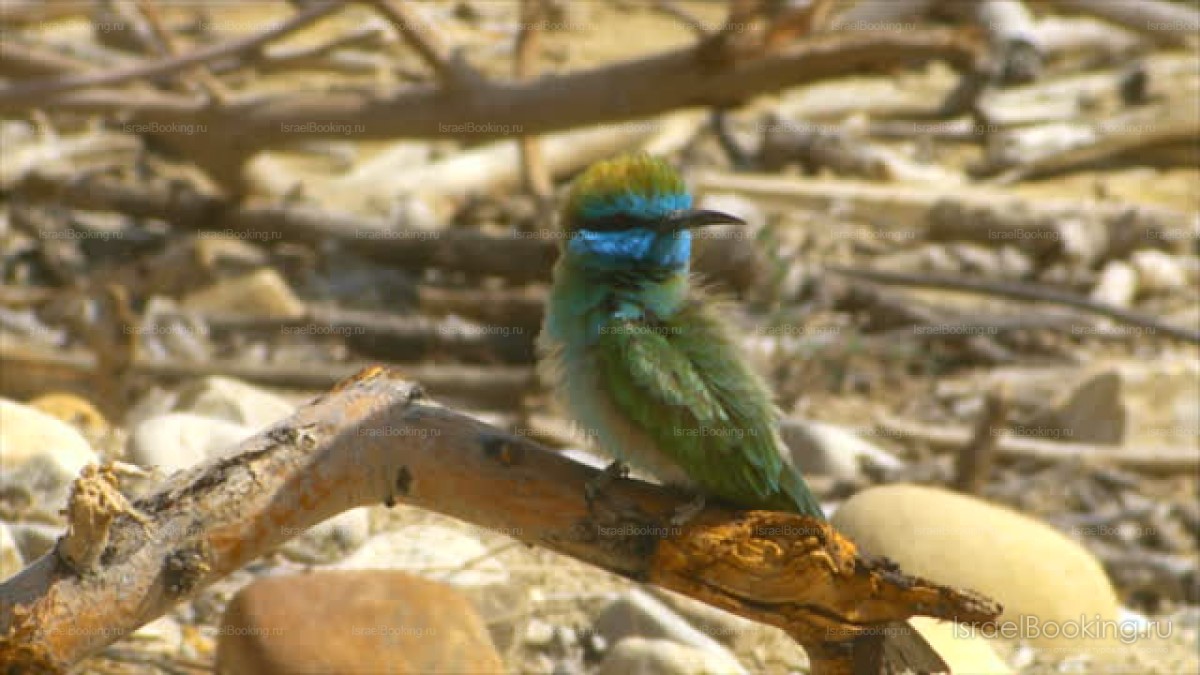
x=451, y=71
x=520, y=259
x=166, y=45
x=521, y=308
x=1022, y=153
x=396, y=338
x=29, y=372
x=624, y=91
x=18, y=12
x=844, y=153
x=1150, y=459
x=374, y=439
x=534, y=174
x=1120, y=228
x=38, y=93
x=1164, y=22
x=975, y=460
x=1023, y=291
x=21, y=60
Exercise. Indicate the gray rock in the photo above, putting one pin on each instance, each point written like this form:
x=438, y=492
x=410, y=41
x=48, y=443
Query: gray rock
x=233, y=401
x=330, y=540
x=1117, y=285
x=642, y=656
x=637, y=614
x=181, y=440
x=820, y=448
x=1091, y=411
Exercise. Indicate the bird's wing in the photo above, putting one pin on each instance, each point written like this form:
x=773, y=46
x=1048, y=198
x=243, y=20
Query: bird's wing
x=683, y=383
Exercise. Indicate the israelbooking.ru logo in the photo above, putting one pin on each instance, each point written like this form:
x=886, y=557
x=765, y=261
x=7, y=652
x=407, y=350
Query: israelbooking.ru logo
x=1029, y=627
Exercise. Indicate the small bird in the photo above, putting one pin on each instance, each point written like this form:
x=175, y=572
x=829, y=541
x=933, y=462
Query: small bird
x=642, y=359
x=645, y=363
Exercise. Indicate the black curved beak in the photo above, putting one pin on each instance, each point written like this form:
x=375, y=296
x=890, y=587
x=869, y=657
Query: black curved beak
x=692, y=218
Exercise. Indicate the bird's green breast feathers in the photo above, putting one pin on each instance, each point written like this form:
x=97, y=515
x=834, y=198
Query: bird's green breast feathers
x=679, y=378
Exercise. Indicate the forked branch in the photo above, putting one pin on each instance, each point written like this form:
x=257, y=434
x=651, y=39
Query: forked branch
x=375, y=439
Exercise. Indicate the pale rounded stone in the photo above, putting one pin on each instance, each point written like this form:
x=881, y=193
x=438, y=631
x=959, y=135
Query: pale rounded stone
x=178, y=441
x=38, y=451
x=963, y=649
x=11, y=561
x=163, y=635
x=233, y=401
x=1053, y=590
x=1117, y=285
x=261, y=293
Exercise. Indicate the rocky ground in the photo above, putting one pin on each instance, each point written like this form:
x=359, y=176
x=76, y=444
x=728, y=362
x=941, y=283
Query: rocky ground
x=1075, y=505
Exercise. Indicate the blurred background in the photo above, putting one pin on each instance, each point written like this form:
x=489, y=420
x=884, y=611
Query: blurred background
x=971, y=272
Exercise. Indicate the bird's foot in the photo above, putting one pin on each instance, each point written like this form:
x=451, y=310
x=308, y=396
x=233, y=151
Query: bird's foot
x=595, y=487
x=683, y=514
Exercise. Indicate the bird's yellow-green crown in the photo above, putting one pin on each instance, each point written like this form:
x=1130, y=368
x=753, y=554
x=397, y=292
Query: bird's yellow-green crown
x=634, y=186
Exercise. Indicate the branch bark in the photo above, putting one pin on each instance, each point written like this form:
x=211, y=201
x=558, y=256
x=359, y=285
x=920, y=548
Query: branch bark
x=623, y=91
x=375, y=439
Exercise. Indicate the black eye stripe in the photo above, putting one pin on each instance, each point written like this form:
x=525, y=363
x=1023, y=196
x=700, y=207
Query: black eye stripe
x=614, y=223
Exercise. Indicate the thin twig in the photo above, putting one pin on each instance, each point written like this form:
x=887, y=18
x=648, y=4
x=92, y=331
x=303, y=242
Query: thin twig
x=534, y=174
x=38, y=91
x=1148, y=459
x=204, y=78
x=1021, y=291
x=976, y=459
x=422, y=37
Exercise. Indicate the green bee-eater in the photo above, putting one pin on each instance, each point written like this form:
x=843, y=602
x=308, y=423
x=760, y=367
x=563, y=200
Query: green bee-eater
x=644, y=361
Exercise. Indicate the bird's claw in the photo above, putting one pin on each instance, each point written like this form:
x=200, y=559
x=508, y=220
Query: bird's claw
x=596, y=486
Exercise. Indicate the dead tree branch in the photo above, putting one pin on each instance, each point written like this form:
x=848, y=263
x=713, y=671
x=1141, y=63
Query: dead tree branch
x=40, y=93
x=1164, y=22
x=1023, y=291
x=345, y=450
x=450, y=70
x=517, y=259
x=623, y=91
